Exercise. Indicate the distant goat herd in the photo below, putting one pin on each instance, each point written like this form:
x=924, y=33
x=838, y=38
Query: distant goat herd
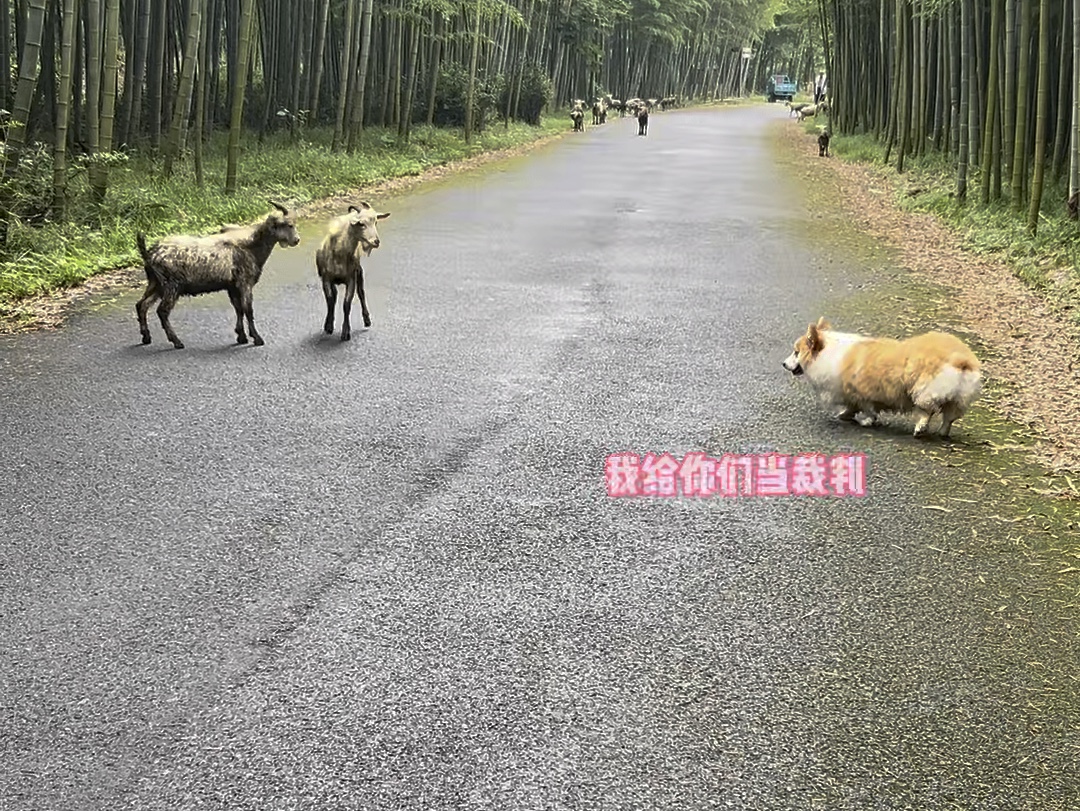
x=232, y=261
x=638, y=108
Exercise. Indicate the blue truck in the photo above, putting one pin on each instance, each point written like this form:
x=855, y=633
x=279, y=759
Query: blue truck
x=780, y=87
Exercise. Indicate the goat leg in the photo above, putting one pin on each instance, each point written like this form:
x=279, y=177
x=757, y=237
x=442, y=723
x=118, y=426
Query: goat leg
x=245, y=298
x=346, y=308
x=168, y=301
x=149, y=297
x=363, y=298
x=330, y=292
x=241, y=336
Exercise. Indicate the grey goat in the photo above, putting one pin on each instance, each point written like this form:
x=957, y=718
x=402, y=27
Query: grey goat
x=338, y=262
x=231, y=260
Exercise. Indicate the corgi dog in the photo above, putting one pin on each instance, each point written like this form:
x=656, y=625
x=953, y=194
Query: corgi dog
x=929, y=374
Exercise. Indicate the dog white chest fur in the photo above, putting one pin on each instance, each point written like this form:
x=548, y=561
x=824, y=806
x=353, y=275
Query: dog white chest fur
x=930, y=374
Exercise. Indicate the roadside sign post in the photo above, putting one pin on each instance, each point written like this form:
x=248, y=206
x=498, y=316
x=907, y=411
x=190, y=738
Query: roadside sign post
x=747, y=55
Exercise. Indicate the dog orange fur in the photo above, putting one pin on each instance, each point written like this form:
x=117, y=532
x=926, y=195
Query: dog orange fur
x=930, y=374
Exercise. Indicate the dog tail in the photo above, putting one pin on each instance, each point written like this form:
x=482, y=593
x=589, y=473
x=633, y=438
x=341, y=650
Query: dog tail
x=968, y=383
x=964, y=362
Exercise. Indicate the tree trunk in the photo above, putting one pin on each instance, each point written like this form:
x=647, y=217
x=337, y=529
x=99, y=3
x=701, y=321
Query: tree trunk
x=182, y=103
x=156, y=72
x=346, y=62
x=100, y=178
x=200, y=98
x=965, y=93
x=317, y=59
x=364, y=59
x=436, y=52
x=5, y=53
x=1061, y=129
x=471, y=96
x=93, y=80
x=991, y=104
x=405, y=121
x=1019, y=161
x=1074, y=133
x=1009, y=122
x=236, y=119
x=63, y=107
x=1041, y=115
x=133, y=89
x=24, y=93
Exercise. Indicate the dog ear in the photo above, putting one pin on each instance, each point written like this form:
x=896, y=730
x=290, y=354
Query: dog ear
x=822, y=324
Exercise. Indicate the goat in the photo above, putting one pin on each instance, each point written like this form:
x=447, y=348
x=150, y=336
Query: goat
x=578, y=118
x=599, y=113
x=808, y=111
x=795, y=107
x=643, y=121
x=338, y=262
x=231, y=260
x=823, y=144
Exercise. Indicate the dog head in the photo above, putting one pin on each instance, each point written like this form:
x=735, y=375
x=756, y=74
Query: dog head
x=807, y=348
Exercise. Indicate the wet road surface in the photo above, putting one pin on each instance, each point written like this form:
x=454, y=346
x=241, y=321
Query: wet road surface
x=386, y=574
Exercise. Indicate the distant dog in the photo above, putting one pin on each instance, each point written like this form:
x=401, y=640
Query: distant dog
x=928, y=374
x=823, y=144
x=643, y=121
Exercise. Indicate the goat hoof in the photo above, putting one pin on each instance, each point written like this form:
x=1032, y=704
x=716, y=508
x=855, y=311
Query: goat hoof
x=241, y=339
x=258, y=341
x=178, y=344
x=145, y=340
x=346, y=336
x=328, y=329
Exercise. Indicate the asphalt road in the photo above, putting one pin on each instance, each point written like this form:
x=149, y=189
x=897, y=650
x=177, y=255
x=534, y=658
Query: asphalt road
x=386, y=574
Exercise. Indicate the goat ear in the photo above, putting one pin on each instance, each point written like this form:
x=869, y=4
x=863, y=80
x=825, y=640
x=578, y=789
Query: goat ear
x=382, y=216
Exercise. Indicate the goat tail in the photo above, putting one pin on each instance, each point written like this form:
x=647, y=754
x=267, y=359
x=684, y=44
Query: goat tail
x=140, y=240
x=152, y=275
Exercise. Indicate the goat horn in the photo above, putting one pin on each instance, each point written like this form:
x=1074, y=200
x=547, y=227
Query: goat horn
x=354, y=208
x=280, y=207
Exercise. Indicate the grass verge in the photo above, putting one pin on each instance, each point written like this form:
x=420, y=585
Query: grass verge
x=1048, y=262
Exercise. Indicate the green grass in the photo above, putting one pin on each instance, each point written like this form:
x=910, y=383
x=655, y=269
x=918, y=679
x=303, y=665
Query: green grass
x=42, y=256
x=1048, y=262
